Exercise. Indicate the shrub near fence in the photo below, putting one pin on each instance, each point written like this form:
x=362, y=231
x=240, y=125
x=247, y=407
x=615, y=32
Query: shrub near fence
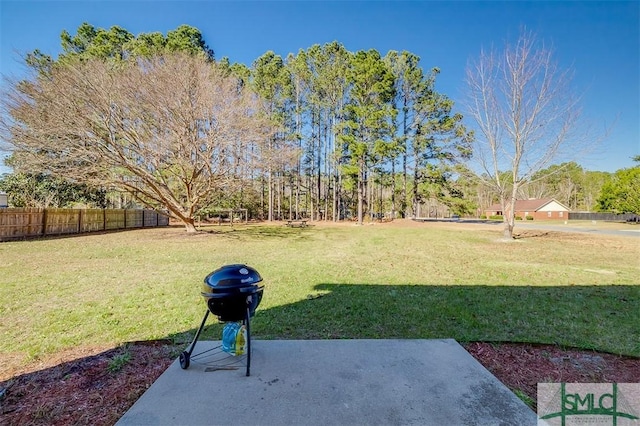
x=32, y=222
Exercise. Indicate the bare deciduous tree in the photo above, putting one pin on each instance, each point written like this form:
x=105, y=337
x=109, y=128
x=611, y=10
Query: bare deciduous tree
x=526, y=116
x=170, y=130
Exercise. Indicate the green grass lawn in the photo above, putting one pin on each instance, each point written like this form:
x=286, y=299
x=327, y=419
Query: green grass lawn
x=322, y=282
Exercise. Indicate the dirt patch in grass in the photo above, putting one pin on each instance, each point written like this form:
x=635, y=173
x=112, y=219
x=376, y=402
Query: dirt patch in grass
x=99, y=389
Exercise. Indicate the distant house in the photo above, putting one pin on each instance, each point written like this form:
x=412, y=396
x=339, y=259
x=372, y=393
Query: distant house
x=539, y=209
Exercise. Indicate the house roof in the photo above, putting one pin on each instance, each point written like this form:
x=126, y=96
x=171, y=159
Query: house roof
x=528, y=205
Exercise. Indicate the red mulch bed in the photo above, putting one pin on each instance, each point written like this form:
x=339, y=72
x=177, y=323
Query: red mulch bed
x=86, y=391
x=523, y=366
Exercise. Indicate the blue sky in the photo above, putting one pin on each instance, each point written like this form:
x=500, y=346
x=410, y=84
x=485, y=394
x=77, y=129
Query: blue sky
x=600, y=40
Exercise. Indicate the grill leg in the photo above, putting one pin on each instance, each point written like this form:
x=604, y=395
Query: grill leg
x=185, y=357
x=248, y=323
x=195, y=339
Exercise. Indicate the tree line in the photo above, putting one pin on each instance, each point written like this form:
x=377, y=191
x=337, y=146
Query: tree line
x=578, y=189
x=324, y=133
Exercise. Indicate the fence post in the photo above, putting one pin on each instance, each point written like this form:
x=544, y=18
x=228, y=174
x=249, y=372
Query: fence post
x=80, y=221
x=44, y=222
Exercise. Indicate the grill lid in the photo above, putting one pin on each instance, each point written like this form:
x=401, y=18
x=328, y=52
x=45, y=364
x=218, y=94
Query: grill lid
x=238, y=275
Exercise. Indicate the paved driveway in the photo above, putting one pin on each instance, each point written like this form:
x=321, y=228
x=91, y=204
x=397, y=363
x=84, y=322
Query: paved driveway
x=633, y=231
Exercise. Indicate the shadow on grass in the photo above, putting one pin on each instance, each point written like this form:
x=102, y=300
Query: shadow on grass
x=602, y=318
x=259, y=232
x=599, y=318
x=588, y=317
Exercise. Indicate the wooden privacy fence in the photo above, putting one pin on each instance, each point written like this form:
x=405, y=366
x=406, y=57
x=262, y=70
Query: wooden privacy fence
x=34, y=222
x=604, y=216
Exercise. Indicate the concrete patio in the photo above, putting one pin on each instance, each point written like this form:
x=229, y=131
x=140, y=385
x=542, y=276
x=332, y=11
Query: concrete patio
x=331, y=382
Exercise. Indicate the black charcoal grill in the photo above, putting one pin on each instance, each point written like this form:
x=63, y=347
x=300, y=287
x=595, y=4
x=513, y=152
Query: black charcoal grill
x=232, y=293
